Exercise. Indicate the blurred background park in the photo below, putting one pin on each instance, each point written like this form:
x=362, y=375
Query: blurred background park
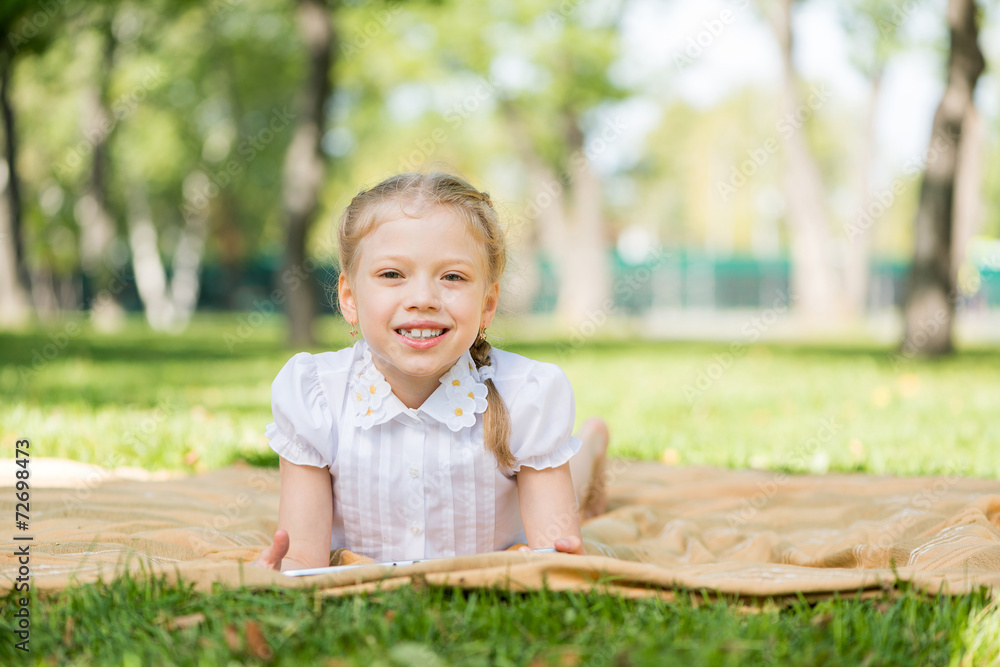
x=657, y=161
x=730, y=171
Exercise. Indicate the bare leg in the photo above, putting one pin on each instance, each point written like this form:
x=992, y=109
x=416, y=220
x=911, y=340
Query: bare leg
x=587, y=468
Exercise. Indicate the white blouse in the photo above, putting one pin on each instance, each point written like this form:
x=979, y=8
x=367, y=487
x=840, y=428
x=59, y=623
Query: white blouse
x=411, y=484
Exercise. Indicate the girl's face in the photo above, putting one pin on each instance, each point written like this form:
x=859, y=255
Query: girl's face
x=420, y=296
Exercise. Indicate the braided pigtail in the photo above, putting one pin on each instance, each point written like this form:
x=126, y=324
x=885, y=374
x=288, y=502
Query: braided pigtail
x=496, y=419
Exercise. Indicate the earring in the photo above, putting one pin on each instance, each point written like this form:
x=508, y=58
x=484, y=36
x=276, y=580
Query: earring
x=354, y=329
x=482, y=334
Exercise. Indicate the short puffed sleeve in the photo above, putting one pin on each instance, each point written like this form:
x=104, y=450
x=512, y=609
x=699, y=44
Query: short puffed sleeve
x=303, y=429
x=542, y=411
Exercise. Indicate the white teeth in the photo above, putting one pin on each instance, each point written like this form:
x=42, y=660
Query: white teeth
x=420, y=334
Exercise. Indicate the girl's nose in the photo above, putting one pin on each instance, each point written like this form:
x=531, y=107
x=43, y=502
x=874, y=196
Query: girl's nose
x=423, y=294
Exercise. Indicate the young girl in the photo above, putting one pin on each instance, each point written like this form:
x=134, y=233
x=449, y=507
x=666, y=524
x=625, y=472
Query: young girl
x=420, y=440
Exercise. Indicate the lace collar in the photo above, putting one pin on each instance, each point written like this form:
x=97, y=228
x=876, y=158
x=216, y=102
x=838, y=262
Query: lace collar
x=461, y=396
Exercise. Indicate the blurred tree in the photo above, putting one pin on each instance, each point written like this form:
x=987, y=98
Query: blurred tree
x=168, y=300
x=873, y=28
x=817, y=290
x=558, y=130
x=92, y=211
x=200, y=173
x=26, y=29
x=519, y=91
x=932, y=294
x=549, y=66
x=303, y=169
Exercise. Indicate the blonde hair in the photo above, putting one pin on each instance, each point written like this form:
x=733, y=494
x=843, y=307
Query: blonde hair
x=382, y=202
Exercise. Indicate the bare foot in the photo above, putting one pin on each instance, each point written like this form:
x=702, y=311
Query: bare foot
x=595, y=431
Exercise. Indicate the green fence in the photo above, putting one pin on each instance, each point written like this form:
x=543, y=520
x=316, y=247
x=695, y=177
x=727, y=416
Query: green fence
x=674, y=279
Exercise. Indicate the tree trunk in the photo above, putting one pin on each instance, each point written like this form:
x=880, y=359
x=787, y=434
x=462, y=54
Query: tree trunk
x=150, y=276
x=568, y=216
x=968, y=181
x=97, y=225
x=543, y=192
x=860, y=230
x=584, y=274
x=168, y=304
x=303, y=171
x=43, y=295
x=816, y=289
x=930, y=303
x=185, y=283
x=15, y=308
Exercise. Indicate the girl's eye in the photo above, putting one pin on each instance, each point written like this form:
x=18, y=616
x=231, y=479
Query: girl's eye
x=392, y=275
x=453, y=277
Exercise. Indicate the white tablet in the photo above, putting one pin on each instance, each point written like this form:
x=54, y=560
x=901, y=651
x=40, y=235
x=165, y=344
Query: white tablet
x=340, y=568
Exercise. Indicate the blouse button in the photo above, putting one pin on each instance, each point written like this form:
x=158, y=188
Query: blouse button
x=414, y=472
x=415, y=530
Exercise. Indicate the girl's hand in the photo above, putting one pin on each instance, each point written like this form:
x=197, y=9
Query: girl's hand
x=548, y=508
x=570, y=545
x=567, y=545
x=305, y=520
x=271, y=557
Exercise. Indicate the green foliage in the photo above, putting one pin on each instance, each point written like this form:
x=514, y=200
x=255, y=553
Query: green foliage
x=476, y=87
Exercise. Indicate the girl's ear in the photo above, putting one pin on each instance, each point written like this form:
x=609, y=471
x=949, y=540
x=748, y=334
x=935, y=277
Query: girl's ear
x=490, y=303
x=345, y=299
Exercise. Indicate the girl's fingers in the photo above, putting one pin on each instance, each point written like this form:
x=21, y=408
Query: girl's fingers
x=270, y=558
x=570, y=545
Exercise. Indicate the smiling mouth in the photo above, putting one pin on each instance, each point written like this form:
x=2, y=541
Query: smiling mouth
x=420, y=334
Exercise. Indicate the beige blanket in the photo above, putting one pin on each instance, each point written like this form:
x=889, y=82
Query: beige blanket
x=748, y=533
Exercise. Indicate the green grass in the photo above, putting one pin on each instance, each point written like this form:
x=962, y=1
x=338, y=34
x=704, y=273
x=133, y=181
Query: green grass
x=201, y=400
x=149, y=622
